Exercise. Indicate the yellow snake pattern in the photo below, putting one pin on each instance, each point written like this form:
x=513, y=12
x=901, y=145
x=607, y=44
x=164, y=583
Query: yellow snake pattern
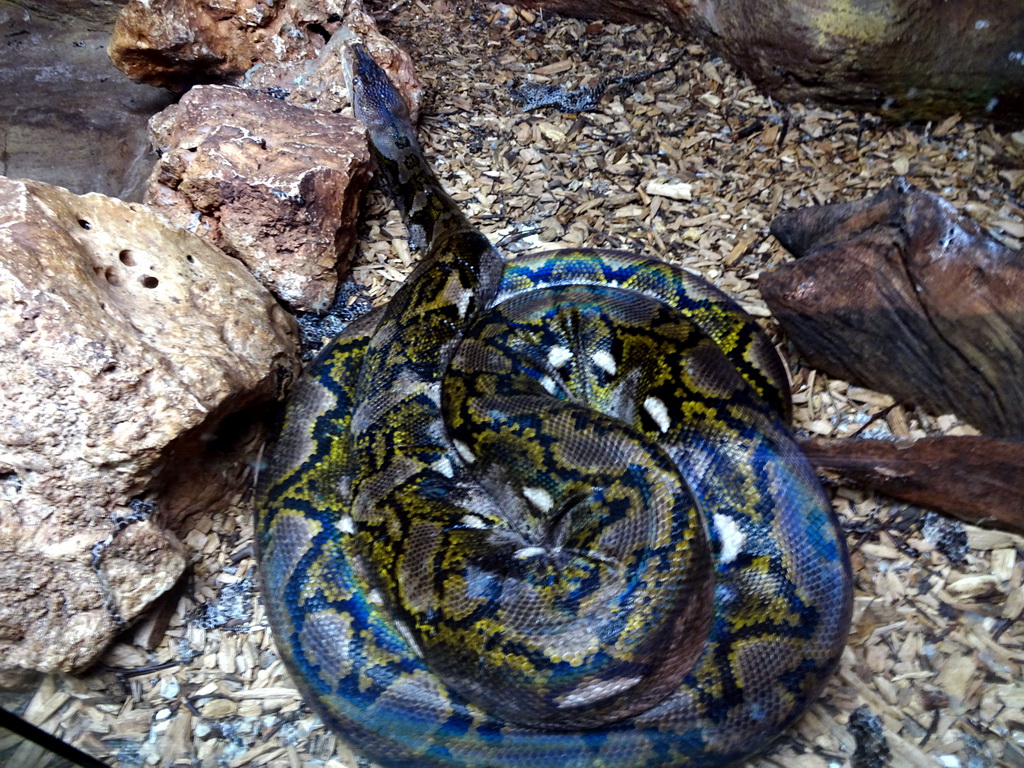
x=545, y=512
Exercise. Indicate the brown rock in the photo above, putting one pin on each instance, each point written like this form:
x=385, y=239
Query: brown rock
x=319, y=83
x=901, y=294
x=178, y=43
x=906, y=59
x=275, y=185
x=124, y=343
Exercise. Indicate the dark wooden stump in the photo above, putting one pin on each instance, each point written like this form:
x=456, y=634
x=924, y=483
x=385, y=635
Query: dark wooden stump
x=901, y=294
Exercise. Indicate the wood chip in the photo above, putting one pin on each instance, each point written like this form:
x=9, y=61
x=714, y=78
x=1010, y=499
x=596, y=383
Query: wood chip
x=674, y=190
x=556, y=68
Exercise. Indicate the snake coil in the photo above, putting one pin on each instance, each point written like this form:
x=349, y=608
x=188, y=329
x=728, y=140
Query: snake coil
x=545, y=512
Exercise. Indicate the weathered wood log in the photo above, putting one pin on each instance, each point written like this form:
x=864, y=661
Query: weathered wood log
x=978, y=479
x=901, y=294
x=905, y=59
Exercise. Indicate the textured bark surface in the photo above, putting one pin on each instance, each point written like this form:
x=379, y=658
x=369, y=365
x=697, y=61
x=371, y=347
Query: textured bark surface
x=901, y=294
x=275, y=185
x=125, y=345
x=978, y=479
x=907, y=59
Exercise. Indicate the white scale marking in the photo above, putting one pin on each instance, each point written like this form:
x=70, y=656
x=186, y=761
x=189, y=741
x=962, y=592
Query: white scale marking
x=472, y=521
x=464, y=451
x=528, y=552
x=559, y=356
x=540, y=498
x=603, y=359
x=596, y=690
x=657, y=410
x=462, y=301
x=731, y=536
x=409, y=637
x=345, y=525
x=444, y=466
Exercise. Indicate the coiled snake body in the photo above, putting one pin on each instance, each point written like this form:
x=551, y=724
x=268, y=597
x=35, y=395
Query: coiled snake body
x=545, y=512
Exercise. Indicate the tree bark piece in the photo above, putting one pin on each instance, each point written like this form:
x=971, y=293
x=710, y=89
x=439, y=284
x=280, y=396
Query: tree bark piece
x=978, y=479
x=901, y=294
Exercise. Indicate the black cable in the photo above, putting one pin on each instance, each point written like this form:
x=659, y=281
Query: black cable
x=25, y=729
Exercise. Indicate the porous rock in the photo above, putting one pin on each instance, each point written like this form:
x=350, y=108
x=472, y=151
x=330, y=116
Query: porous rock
x=905, y=59
x=124, y=344
x=275, y=185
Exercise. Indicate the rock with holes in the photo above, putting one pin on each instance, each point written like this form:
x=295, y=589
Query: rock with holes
x=286, y=48
x=125, y=345
x=276, y=185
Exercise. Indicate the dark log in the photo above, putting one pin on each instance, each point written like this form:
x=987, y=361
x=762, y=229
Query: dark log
x=905, y=59
x=901, y=294
x=978, y=479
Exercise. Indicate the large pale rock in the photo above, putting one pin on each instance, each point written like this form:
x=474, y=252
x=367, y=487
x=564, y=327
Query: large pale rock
x=905, y=59
x=275, y=185
x=124, y=343
x=286, y=46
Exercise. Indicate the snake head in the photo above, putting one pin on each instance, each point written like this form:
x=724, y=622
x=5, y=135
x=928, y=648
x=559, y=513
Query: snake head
x=377, y=103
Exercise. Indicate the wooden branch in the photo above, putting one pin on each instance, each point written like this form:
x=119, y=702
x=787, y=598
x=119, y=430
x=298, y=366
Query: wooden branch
x=901, y=294
x=978, y=479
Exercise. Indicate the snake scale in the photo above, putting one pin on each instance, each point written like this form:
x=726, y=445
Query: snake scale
x=545, y=512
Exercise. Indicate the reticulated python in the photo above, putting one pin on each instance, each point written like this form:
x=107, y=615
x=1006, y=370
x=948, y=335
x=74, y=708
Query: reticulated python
x=545, y=512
